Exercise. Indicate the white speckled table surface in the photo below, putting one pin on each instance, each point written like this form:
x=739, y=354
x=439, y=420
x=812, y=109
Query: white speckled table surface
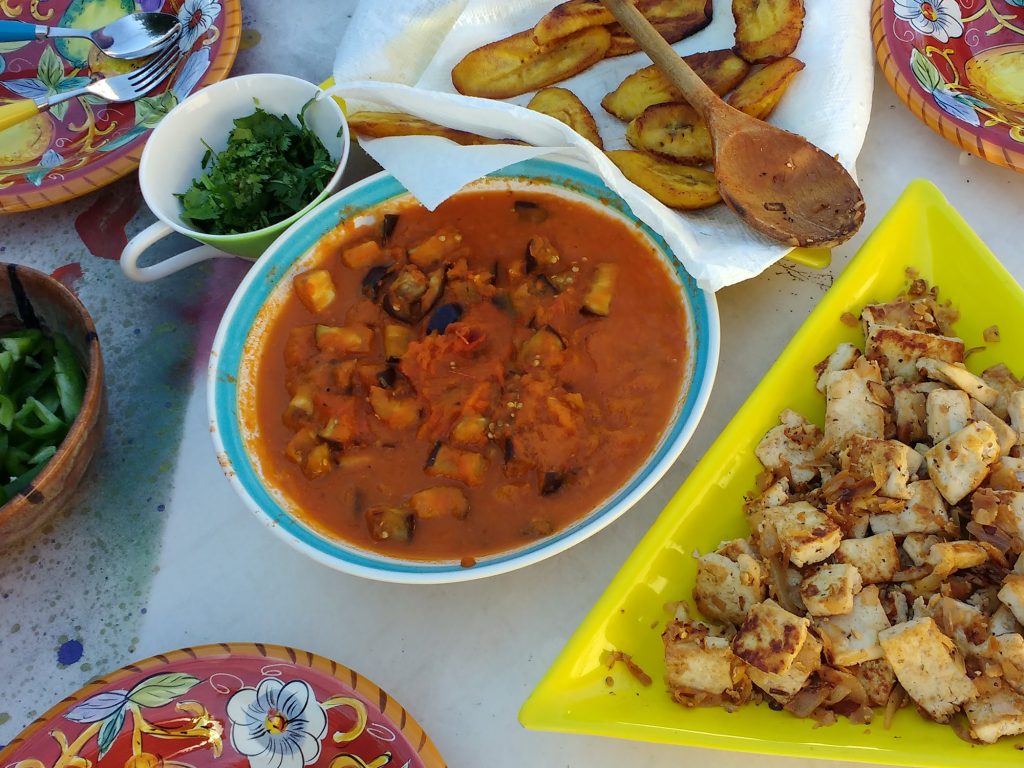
x=159, y=553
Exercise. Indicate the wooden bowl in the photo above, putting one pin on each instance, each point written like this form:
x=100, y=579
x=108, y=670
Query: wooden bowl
x=37, y=300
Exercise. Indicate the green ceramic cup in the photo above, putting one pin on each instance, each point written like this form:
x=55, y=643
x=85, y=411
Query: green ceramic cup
x=173, y=158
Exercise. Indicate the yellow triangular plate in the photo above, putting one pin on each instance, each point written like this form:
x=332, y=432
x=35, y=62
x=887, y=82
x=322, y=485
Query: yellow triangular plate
x=922, y=231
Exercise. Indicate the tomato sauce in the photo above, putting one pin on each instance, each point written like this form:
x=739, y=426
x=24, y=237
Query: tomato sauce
x=450, y=384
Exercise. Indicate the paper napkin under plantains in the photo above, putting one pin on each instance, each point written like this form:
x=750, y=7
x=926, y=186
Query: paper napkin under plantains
x=397, y=55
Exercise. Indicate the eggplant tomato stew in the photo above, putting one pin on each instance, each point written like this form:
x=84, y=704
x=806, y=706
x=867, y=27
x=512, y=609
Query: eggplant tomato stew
x=450, y=384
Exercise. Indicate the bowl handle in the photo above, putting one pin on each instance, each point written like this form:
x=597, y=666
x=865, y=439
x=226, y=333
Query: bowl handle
x=141, y=242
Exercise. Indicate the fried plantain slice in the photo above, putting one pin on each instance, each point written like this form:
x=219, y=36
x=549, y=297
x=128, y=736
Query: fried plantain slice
x=562, y=104
x=518, y=65
x=673, y=131
x=675, y=185
x=767, y=29
x=569, y=17
x=674, y=20
x=721, y=70
x=763, y=88
x=380, y=124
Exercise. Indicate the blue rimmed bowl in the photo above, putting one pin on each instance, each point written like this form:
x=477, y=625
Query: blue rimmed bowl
x=230, y=394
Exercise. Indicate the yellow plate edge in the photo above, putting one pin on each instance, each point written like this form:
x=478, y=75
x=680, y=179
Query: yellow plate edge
x=560, y=700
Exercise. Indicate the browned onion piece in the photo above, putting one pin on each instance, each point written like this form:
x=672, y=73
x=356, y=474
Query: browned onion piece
x=989, y=533
x=806, y=701
x=777, y=572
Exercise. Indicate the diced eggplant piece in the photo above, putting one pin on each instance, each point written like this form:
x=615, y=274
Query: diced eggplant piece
x=390, y=523
x=436, y=248
x=562, y=281
x=598, y=300
x=396, y=412
x=540, y=253
x=542, y=348
x=454, y=464
x=544, y=286
x=396, y=341
x=503, y=302
x=470, y=431
x=300, y=407
x=440, y=501
x=373, y=281
x=353, y=460
x=317, y=462
x=387, y=227
x=529, y=211
x=366, y=254
x=410, y=294
x=435, y=288
x=300, y=445
x=551, y=482
x=443, y=316
x=344, y=339
x=315, y=289
x=341, y=374
x=387, y=377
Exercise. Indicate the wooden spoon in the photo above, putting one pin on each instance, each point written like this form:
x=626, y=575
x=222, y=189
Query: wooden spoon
x=777, y=182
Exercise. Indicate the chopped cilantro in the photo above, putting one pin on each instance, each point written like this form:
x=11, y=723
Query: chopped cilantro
x=270, y=169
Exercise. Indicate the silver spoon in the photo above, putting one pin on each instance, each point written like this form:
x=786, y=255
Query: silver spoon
x=130, y=37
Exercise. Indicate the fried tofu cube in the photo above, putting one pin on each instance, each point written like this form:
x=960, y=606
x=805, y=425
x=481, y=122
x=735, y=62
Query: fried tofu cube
x=806, y=534
x=841, y=360
x=1003, y=509
x=889, y=462
x=925, y=512
x=697, y=660
x=1015, y=410
x=946, y=557
x=790, y=448
x=919, y=545
x=1002, y=380
x=1012, y=595
x=878, y=680
x=1003, y=622
x=949, y=411
x=770, y=638
x=875, y=558
x=851, y=407
x=782, y=687
x=960, y=377
x=852, y=638
x=961, y=462
x=965, y=624
x=726, y=588
x=829, y=590
x=928, y=666
x=899, y=350
x=997, y=711
x=1006, y=434
x=910, y=410
x=913, y=315
x=1007, y=474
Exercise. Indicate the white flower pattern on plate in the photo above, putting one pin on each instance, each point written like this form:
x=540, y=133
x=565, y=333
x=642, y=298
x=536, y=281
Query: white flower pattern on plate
x=940, y=19
x=196, y=16
x=277, y=725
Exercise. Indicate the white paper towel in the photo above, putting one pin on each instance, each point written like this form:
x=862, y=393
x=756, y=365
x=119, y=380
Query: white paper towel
x=397, y=55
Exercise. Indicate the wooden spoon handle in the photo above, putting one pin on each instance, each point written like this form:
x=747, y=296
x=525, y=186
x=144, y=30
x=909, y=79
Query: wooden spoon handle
x=654, y=45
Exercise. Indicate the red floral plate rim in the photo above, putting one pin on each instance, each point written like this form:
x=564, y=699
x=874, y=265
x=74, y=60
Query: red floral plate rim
x=925, y=47
x=268, y=705
x=86, y=144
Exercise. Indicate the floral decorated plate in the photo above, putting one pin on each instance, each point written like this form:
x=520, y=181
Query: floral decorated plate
x=959, y=66
x=260, y=706
x=85, y=143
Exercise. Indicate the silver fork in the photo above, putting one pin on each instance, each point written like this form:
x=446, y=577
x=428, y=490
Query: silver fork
x=126, y=87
